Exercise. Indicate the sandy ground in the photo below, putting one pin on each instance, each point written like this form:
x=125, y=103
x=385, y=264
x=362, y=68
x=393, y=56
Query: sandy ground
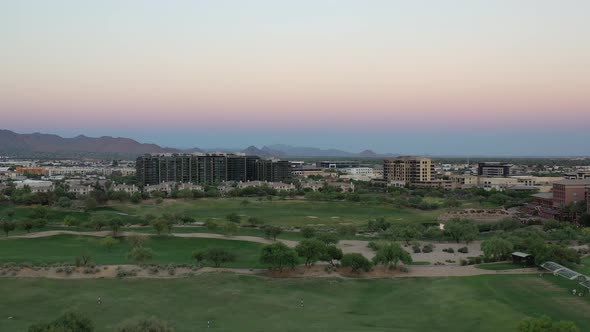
x=437, y=255
x=319, y=270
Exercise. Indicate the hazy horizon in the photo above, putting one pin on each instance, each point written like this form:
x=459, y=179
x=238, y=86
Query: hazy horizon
x=466, y=77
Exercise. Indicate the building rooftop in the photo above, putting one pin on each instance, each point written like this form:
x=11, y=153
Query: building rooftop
x=572, y=182
x=520, y=254
x=544, y=195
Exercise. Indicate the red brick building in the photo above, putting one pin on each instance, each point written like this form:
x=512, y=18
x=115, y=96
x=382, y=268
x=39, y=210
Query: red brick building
x=569, y=191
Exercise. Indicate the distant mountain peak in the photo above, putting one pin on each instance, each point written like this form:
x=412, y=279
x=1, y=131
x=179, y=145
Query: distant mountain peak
x=39, y=144
x=368, y=153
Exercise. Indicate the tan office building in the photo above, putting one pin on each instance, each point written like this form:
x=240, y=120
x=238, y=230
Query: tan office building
x=408, y=169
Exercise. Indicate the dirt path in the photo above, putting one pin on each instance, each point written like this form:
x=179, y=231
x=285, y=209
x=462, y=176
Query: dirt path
x=318, y=271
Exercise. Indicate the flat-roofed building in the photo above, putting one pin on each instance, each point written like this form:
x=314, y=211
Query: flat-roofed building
x=570, y=191
x=408, y=169
x=208, y=168
x=578, y=175
x=30, y=171
x=338, y=164
x=464, y=181
x=494, y=169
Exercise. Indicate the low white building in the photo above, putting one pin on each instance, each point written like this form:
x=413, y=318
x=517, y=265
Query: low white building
x=273, y=185
x=80, y=189
x=130, y=189
x=36, y=186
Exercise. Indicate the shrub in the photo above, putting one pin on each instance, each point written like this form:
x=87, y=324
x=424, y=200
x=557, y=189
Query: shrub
x=428, y=248
x=357, y=262
x=463, y=250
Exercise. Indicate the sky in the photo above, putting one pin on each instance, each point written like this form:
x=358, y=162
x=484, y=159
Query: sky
x=461, y=77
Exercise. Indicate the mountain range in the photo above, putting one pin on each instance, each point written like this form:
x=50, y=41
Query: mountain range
x=38, y=145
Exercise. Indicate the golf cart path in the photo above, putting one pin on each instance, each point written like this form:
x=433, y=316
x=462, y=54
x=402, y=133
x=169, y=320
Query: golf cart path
x=256, y=239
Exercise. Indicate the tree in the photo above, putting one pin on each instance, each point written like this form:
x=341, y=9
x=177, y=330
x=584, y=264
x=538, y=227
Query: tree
x=64, y=202
x=230, y=228
x=546, y=324
x=271, y=232
x=27, y=225
x=98, y=222
x=71, y=221
x=461, y=230
x=308, y=232
x=116, y=224
x=585, y=219
x=254, y=221
x=68, y=322
x=311, y=250
x=211, y=225
x=83, y=259
x=108, y=242
x=347, y=230
x=233, y=217
x=278, y=256
x=40, y=223
x=159, y=225
x=40, y=212
x=497, y=248
x=135, y=198
x=391, y=254
x=378, y=225
x=199, y=256
x=405, y=232
x=7, y=226
x=90, y=203
x=137, y=240
x=146, y=325
x=332, y=253
x=328, y=238
x=216, y=255
x=10, y=213
x=356, y=262
x=140, y=254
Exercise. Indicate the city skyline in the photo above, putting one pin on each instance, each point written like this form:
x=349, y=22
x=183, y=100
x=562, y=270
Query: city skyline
x=465, y=77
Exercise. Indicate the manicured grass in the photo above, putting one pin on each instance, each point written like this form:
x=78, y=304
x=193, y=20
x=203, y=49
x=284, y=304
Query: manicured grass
x=499, y=266
x=277, y=212
x=584, y=268
x=245, y=303
x=64, y=249
x=285, y=213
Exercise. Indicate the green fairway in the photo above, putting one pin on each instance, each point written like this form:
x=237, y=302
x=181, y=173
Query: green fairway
x=244, y=303
x=277, y=212
x=584, y=268
x=64, y=249
x=286, y=213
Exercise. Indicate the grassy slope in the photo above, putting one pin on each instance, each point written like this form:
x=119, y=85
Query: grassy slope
x=64, y=249
x=232, y=302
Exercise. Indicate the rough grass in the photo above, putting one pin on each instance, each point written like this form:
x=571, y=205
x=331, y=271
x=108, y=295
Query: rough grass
x=245, y=303
x=64, y=249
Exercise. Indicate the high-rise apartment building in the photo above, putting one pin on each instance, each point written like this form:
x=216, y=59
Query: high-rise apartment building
x=208, y=169
x=408, y=169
